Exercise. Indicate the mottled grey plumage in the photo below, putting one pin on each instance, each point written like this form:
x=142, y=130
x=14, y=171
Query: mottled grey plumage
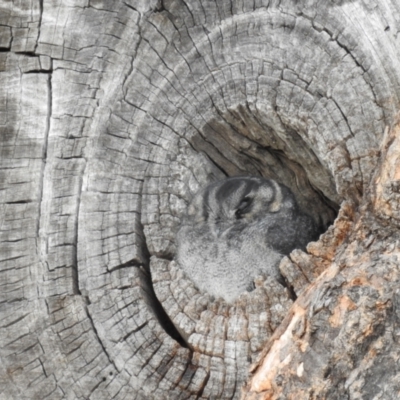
x=239, y=228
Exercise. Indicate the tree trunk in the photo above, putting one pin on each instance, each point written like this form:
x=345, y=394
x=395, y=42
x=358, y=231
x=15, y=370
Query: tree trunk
x=113, y=114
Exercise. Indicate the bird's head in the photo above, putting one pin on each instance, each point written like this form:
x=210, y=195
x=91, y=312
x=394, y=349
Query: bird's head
x=240, y=198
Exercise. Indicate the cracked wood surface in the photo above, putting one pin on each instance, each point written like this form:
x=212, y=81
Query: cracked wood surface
x=113, y=114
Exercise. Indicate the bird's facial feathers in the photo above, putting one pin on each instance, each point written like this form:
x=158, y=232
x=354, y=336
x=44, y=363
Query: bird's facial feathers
x=243, y=225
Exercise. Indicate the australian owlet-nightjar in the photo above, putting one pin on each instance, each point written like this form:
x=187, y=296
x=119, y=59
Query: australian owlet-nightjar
x=237, y=229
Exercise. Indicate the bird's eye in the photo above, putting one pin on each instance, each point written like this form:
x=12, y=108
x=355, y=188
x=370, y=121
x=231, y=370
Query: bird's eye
x=243, y=207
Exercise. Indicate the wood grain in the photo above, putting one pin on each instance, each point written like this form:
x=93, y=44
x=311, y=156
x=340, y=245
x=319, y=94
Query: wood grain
x=113, y=114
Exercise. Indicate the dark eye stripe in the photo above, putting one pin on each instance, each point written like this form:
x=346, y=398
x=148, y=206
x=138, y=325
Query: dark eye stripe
x=244, y=207
x=244, y=204
x=205, y=210
x=227, y=189
x=206, y=202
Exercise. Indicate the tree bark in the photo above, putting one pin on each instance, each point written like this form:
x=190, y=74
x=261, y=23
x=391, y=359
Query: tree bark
x=113, y=114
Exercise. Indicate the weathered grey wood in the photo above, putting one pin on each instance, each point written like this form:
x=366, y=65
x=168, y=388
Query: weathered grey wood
x=113, y=114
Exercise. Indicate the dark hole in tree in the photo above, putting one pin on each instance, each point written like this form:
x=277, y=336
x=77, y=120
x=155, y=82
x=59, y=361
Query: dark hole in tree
x=243, y=144
x=240, y=143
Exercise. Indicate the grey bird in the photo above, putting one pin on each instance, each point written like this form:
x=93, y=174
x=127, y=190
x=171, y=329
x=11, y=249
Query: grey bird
x=237, y=229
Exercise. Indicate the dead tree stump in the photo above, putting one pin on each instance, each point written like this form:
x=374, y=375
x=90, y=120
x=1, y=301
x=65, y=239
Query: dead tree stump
x=113, y=114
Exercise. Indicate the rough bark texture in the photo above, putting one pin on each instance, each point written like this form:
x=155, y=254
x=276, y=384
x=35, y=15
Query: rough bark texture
x=113, y=114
